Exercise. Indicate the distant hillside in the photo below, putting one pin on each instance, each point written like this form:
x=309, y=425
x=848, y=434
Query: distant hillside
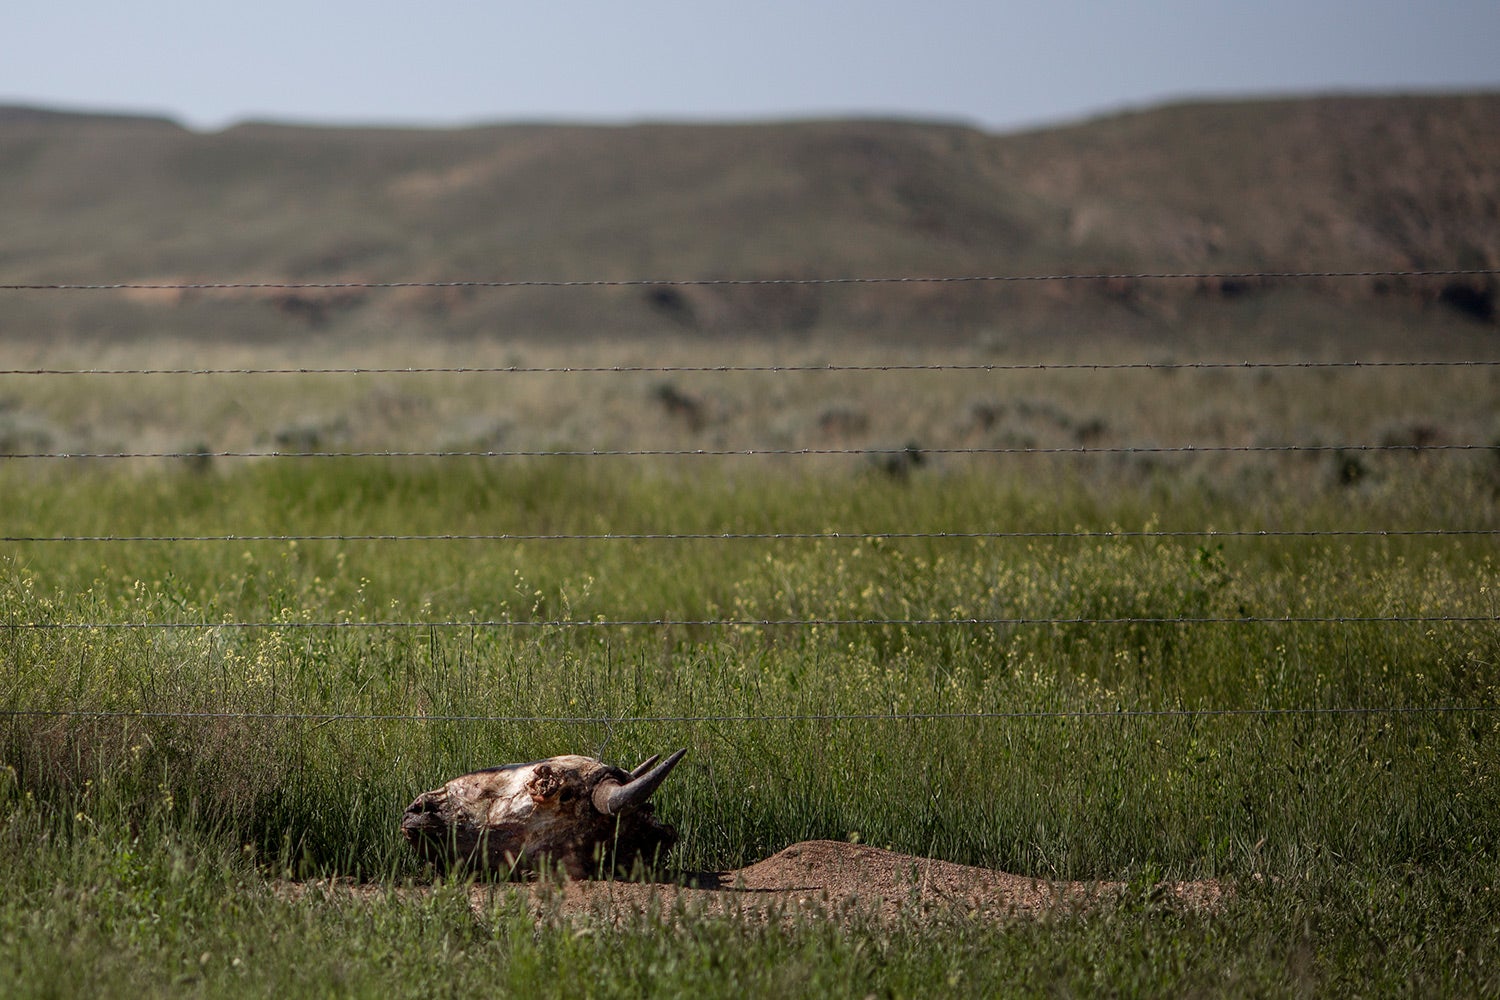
x=1314, y=184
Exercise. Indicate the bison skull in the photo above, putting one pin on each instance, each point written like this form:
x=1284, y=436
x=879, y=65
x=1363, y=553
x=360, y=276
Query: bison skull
x=572, y=813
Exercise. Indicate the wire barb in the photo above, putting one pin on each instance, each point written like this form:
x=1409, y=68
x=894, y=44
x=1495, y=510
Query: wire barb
x=1019, y=366
x=696, y=282
x=591, y=720
x=603, y=623
x=762, y=536
x=1186, y=449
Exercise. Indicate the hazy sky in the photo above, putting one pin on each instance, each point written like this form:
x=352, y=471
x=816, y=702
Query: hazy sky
x=1002, y=65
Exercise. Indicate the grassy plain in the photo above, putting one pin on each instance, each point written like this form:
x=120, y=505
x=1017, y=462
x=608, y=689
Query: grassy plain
x=139, y=849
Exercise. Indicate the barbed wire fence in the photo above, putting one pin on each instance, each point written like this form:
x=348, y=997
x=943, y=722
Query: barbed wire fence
x=750, y=536
x=711, y=282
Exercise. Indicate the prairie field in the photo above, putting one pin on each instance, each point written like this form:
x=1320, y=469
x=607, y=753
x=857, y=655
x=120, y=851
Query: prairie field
x=1055, y=616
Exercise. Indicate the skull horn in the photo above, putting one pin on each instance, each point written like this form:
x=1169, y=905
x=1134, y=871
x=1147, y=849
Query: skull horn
x=644, y=766
x=611, y=798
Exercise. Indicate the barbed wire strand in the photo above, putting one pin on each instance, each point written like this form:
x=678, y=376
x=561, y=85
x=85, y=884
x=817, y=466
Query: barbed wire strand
x=1165, y=366
x=727, y=536
x=1187, y=449
x=603, y=623
x=590, y=720
x=801, y=622
x=699, y=282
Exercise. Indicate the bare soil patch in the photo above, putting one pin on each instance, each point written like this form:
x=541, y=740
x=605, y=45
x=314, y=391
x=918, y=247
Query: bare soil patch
x=815, y=877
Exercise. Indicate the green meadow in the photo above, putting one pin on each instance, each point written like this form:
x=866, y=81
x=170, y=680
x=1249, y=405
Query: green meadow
x=1038, y=648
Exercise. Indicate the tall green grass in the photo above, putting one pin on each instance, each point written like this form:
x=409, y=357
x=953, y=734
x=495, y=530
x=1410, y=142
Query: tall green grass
x=1046, y=795
x=147, y=837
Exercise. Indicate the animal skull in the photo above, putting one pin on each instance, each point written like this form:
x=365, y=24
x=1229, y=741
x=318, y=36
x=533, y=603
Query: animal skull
x=577, y=814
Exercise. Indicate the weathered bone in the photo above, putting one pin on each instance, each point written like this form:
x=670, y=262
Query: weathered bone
x=577, y=814
x=612, y=798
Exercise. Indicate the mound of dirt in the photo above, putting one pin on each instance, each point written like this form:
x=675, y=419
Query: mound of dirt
x=823, y=877
x=835, y=877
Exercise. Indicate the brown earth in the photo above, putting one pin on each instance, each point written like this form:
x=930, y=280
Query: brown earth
x=815, y=877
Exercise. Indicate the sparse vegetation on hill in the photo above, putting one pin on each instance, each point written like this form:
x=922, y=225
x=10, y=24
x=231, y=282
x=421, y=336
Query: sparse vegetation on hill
x=1336, y=183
